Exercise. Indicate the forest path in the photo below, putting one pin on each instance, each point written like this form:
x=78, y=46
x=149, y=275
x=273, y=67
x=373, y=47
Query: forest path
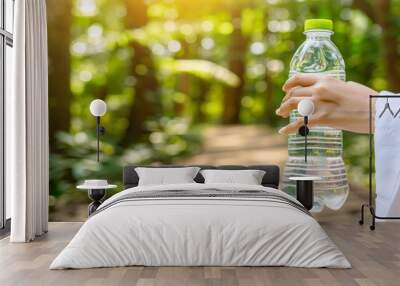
x=241, y=144
x=255, y=144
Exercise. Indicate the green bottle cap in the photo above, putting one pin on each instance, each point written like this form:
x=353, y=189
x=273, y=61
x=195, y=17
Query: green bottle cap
x=318, y=24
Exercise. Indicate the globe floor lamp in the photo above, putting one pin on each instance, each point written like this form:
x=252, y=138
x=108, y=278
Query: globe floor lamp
x=96, y=189
x=305, y=185
x=98, y=108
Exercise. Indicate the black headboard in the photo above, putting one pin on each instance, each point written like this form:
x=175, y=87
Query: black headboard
x=270, y=179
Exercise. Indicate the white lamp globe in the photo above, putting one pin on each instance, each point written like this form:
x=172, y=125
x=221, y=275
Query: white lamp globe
x=305, y=107
x=98, y=107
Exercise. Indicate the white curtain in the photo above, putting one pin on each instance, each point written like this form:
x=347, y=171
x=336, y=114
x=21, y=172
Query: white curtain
x=27, y=151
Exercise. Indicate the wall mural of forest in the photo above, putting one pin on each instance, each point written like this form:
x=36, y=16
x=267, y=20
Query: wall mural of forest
x=169, y=68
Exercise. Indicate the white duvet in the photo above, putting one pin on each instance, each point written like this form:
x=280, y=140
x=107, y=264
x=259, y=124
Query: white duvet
x=200, y=231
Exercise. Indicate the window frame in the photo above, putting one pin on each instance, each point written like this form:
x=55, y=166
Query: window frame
x=6, y=39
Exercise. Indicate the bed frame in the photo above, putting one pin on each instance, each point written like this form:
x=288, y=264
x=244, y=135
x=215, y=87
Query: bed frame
x=270, y=179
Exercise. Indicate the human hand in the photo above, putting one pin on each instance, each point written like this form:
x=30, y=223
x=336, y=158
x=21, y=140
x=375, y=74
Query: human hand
x=338, y=104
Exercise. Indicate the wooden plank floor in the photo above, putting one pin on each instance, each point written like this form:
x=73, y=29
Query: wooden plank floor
x=375, y=257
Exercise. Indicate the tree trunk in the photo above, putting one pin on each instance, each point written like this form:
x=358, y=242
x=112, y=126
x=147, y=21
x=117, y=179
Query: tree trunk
x=237, y=52
x=269, y=99
x=102, y=92
x=203, y=87
x=184, y=88
x=59, y=39
x=183, y=82
x=146, y=87
x=389, y=43
x=380, y=13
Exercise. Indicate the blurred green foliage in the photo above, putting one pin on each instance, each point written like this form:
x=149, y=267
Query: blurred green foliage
x=197, y=50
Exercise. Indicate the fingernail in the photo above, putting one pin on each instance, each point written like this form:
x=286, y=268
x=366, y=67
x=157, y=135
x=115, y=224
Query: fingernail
x=281, y=131
x=277, y=111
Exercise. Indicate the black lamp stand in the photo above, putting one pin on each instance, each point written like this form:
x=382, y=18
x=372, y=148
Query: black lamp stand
x=305, y=193
x=96, y=195
x=305, y=187
x=100, y=130
x=303, y=131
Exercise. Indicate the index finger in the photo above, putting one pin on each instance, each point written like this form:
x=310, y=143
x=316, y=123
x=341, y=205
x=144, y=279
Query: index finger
x=300, y=80
x=295, y=125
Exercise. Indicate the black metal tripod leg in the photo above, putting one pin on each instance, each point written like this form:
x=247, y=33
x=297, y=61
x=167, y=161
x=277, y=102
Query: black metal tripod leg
x=372, y=210
x=372, y=226
x=361, y=221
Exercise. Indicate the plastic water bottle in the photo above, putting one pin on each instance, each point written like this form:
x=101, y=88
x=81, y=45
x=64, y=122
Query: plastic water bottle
x=318, y=55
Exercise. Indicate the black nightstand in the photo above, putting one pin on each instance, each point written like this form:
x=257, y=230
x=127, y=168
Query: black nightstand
x=305, y=190
x=96, y=192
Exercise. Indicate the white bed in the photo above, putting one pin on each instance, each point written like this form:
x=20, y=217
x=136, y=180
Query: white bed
x=185, y=230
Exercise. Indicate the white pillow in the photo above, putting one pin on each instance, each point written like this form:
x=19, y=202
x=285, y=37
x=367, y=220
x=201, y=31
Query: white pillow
x=248, y=177
x=165, y=176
